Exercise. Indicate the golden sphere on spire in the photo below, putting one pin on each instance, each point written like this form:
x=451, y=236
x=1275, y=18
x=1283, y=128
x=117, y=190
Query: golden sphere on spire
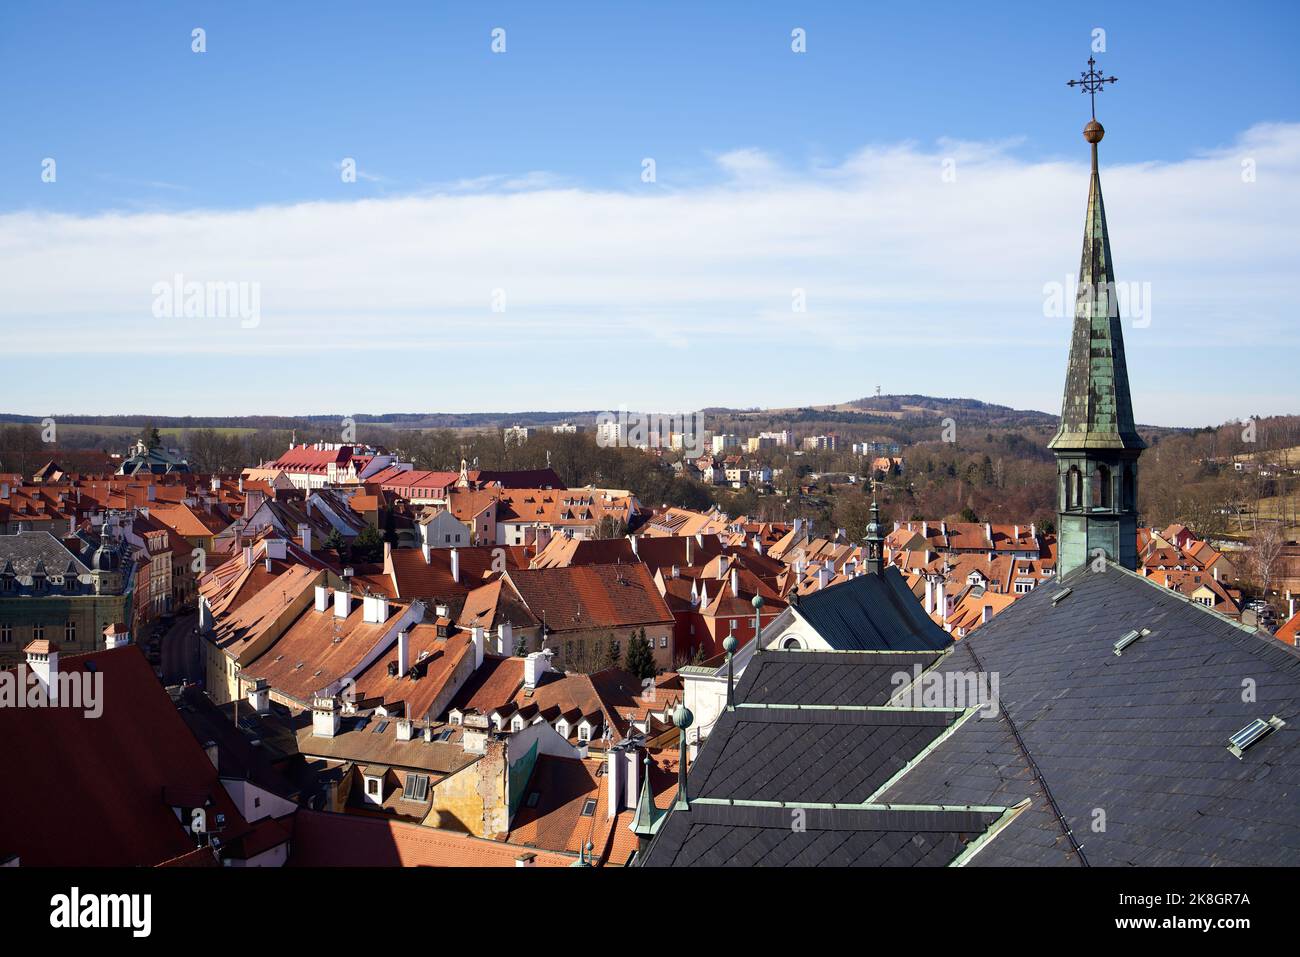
x=1093, y=132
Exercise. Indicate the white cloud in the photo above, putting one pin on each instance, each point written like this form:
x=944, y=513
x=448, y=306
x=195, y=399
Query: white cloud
x=940, y=282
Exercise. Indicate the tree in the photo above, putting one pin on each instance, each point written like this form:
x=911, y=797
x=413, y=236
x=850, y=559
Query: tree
x=1263, y=552
x=335, y=541
x=150, y=437
x=369, y=545
x=612, y=653
x=640, y=659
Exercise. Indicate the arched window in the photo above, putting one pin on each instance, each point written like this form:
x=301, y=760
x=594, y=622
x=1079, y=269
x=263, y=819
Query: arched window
x=791, y=643
x=1073, y=488
x=1101, y=487
x=1130, y=492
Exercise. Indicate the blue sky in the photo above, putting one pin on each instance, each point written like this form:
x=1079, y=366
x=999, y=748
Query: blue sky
x=521, y=170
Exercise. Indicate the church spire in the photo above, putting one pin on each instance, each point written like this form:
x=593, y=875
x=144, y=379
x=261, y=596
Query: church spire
x=1097, y=444
x=1097, y=411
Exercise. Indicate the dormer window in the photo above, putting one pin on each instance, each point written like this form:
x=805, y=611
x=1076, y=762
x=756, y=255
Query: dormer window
x=517, y=723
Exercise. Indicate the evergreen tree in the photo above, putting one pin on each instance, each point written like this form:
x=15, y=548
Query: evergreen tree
x=640, y=656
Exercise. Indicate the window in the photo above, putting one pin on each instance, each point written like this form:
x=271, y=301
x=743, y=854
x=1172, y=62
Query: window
x=417, y=788
x=663, y=641
x=70, y=631
x=6, y=634
x=516, y=723
x=38, y=632
x=589, y=808
x=534, y=798
x=372, y=786
x=584, y=733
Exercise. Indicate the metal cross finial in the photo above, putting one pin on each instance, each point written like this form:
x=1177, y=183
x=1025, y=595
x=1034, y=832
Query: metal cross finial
x=1092, y=83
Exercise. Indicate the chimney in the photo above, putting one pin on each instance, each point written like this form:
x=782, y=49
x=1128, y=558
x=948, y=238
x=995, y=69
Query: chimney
x=677, y=572
x=260, y=696
x=216, y=484
x=987, y=614
x=476, y=633
x=632, y=539
x=213, y=752
x=324, y=717
x=735, y=582
x=405, y=729
x=1033, y=530
x=988, y=532
x=404, y=651
x=943, y=528
x=241, y=483
x=929, y=594
x=925, y=529
x=689, y=557
x=632, y=794
x=613, y=774
x=374, y=609
x=1290, y=601
x=505, y=638
x=43, y=661
x=823, y=575
x=248, y=556
x=1017, y=528
x=455, y=566
x=526, y=859
x=114, y=638
x=269, y=564
x=426, y=551
x=535, y=665
x=304, y=535
x=4, y=489
x=150, y=492
x=342, y=603
x=322, y=598
x=940, y=598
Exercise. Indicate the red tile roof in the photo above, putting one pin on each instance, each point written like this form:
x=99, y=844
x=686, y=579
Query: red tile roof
x=321, y=839
x=92, y=789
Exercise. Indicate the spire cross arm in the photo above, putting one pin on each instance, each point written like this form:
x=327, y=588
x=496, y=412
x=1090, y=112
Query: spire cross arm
x=1092, y=82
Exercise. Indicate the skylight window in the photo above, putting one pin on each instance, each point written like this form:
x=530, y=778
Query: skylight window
x=589, y=808
x=1251, y=733
x=382, y=727
x=417, y=788
x=1061, y=595
x=1129, y=638
x=534, y=798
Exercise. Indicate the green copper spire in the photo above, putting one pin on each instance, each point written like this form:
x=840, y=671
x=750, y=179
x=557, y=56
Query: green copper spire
x=646, y=821
x=1097, y=445
x=1097, y=412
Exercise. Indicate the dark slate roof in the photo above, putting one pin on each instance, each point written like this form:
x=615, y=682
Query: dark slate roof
x=826, y=677
x=1141, y=737
x=719, y=835
x=811, y=756
x=25, y=550
x=871, y=613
